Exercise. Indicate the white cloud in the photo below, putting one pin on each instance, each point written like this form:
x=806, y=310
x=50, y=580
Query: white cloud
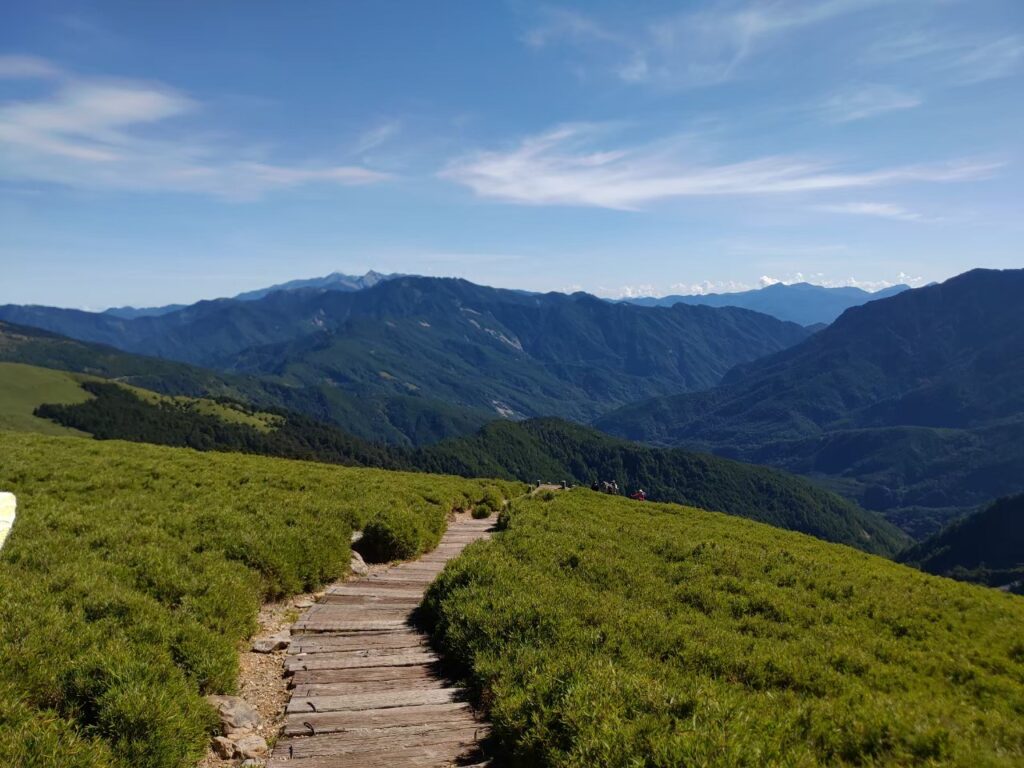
x=96, y=133
x=563, y=167
x=867, y=100
x=688, y=49
x=705, y=287
x=881, y=210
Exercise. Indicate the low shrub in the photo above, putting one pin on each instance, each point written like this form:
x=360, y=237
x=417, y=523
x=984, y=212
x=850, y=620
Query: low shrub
x=133, y=572
x=599, y=631
x=396, y=534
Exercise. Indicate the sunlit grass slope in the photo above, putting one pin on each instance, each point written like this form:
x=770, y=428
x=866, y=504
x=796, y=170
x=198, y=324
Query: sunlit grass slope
x=133, y=572
x=24, y=387
x=604, y=632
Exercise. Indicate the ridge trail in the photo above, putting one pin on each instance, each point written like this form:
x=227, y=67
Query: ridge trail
x=365, y=685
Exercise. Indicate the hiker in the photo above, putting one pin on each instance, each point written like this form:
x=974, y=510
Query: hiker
x=639, y=495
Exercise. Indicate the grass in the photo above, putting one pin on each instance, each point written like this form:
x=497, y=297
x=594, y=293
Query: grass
x=599, y=631
x=24, y=387
x=133, y=572
x=227, y=412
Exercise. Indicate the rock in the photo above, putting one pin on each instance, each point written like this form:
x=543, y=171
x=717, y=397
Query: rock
x=252, y=762
x=303, y=602
x=357, y=565
x=251, y=746
x=272, y=643
x=235, y=713
x=223, y=747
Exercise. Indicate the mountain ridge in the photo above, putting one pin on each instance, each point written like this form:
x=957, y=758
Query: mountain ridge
x=510, y=352
x=892, y=397
x=804, y=303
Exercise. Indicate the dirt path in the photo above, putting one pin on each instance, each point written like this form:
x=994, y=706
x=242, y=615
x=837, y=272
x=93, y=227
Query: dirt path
x=365, y=689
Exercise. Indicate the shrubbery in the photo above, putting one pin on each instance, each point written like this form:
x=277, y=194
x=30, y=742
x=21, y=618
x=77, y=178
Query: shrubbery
x=133, y=572
x=603, y=632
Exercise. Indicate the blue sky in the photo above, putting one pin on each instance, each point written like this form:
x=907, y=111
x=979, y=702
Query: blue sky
x=170, y=151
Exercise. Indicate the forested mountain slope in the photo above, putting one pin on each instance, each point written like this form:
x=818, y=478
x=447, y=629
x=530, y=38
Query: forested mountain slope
x=915, y=401
x=402, y=419
x=550, y=449
x=987, y=546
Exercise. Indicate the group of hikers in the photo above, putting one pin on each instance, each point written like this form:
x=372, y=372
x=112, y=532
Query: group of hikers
x=612, y=488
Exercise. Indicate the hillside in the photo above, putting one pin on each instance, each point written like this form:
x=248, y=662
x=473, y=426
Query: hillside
x=801, y=303
x=402, y=419
x=987, y=546
x=468, y=346
x=915, y=402
x=599, y=631
x=23, y=388
x=555, y=450
x=525, y=451
x=133, y=572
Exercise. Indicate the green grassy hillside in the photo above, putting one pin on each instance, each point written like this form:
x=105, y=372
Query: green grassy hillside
x=552, y=449
x=133, y=572
x=599, y=631
x=23, y=388
x=543, y=448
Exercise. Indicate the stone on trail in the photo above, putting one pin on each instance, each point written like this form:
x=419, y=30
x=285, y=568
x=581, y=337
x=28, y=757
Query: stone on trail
x=357, y=565
x=223, y=747
x=235, y=713
x=271, y=643
x=251, y=746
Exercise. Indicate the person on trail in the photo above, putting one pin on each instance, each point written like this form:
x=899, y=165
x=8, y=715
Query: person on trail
x=639, y=495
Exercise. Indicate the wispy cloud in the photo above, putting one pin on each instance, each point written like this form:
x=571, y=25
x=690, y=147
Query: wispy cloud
x=957, y=59
x=376, y=136
x=880, y=210
x=695, y=48
x=563, y=167
x=97, y=133
x=868, y=100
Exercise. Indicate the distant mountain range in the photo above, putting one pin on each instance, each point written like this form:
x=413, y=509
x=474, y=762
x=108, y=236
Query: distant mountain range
x=913, y=405
x=510, y=353
x=335, y=281
x=801, y=303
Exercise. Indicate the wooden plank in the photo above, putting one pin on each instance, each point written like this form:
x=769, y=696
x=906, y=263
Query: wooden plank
x=382, y=700
x=407, y=659
x=334, y=722
x=361, y=674
x=328, y=745
x=384, y=657
x=334, y=643
x=371, y=686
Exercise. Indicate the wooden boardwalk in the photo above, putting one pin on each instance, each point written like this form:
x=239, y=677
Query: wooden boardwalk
x=365, y=686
